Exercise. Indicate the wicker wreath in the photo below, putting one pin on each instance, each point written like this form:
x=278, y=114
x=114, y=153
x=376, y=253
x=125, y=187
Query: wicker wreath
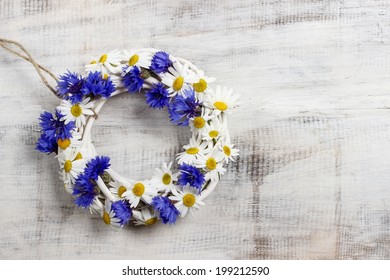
x=168, y=82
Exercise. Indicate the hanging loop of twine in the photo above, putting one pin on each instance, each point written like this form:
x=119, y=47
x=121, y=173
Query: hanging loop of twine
x=27, y=56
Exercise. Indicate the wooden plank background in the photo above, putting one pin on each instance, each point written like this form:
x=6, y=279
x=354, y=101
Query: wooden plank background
x=313, y=179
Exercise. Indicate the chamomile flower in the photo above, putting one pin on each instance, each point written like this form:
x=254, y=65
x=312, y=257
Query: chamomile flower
x=71, y=165
x=193, y=151
x=74, y=142
x=178, y=79
x=108, y=216
x=141, y=190
x=120, y=187
x=147, y=216
x=108, y=63
x=198, y=123
x=188, y=200
x=222, y=101
x=213, y=131
x=76, y=112
x=201, y=85
x=229, y=152
x=141, y=59
x=163, y=178
x=212, y=164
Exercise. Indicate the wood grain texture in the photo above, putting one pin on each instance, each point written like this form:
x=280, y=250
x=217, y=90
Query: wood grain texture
x=313, y=179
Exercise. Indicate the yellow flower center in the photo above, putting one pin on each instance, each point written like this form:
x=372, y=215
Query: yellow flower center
x=105, y=76
x=222, y=106
x=189, y=200
x=211, y=163
x=133, y=60
x=166, y=179
x=68, y=166
x=192, y=151
x=178, y=83
x=106, y=218
x=93, y=62
x=138, y=189
x=226, y=150
x=199, y=122
x=76, y=110
x=103, y=58
x=200, y=86
x=121, y=190
x=78, y=156
x=63, y=144
x=213, y=133
x=151, y=221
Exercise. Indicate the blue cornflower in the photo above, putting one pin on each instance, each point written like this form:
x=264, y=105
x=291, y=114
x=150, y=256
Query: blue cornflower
x=97, y=166
x=96, y=85
x=69, y=87
x=168, y=211
x=122, y=211
x=160, y=62
x=181, y=109
x=191, y=175
x=132, y=79
x=54, y=128
x=46, y=145
x=157, y=97
x=84, y=191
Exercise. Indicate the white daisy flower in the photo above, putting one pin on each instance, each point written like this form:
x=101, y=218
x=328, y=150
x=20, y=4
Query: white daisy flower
x=74, y=142
x=163, y=178
x=141, y=59
x=222, y=101
x=201, y=85
x=212, y=164
x=108, y=63
x=213, y=131
x=108, y=216
x=229, y=152
x=146, y=217
x=188, y=200
x=76, y=112
x=199, y=123
x=71, y=164
x=120, y=187
x=141, y=190
x=193, y=150
x=178, y=79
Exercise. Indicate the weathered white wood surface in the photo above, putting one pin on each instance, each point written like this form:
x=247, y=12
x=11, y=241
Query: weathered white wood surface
x=313, y=179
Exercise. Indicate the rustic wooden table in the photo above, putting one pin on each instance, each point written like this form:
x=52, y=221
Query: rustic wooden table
x=313, y=179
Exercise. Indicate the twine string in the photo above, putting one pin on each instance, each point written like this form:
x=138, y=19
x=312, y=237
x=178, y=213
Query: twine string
x=27, y=56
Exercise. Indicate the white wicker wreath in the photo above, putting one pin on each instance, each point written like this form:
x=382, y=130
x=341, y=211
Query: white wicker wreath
x=166, y=81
